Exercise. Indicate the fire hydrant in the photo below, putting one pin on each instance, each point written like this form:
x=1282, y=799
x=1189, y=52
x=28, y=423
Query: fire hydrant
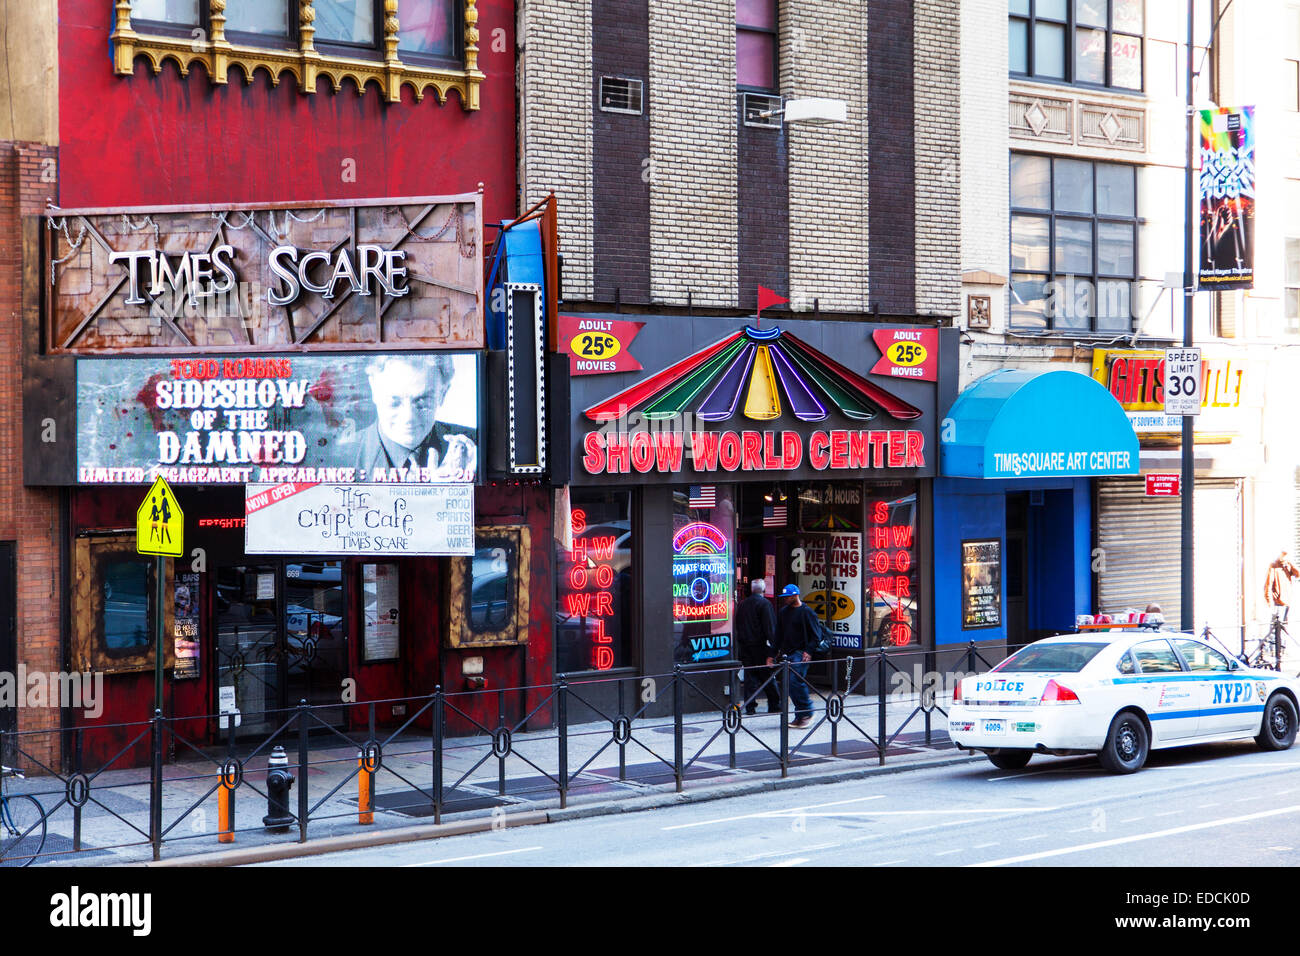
x=278, y=783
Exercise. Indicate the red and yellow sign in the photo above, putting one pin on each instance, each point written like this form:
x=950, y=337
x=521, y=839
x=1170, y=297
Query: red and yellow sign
x=598, y=346
x=908, y=353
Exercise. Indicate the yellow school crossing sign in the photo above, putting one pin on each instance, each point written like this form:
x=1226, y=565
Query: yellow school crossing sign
x=159, y=523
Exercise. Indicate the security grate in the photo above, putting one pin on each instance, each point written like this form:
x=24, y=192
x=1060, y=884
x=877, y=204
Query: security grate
x=618, y=94
x=761, y=109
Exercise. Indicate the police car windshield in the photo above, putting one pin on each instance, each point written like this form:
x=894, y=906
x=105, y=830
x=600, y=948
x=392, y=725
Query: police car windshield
x=1065, y=657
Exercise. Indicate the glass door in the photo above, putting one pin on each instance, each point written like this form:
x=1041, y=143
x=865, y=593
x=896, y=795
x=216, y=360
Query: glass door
x=281, y=638
x=249, y=662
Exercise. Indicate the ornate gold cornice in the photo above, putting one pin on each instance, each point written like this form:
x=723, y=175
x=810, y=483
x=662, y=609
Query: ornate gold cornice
x=217, y=55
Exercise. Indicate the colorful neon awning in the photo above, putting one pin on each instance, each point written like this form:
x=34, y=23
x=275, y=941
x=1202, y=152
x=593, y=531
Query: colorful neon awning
x=760, y=372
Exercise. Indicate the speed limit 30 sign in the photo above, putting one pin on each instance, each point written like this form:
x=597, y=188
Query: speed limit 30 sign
x=1182, y=381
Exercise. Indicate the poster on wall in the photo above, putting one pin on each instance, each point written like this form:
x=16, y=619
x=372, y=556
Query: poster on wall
x=1227, y=198
x=351, y=419
x=831, y=584
x=185, y=626
x=981, y=584
x=366, y=520
x=381, y=612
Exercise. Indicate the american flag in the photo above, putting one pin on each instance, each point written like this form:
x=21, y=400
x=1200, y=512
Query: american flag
x=704, y=496
x=774, y=516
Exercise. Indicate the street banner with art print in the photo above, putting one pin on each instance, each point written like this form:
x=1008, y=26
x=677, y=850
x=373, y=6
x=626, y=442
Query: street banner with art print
x=1226, y=238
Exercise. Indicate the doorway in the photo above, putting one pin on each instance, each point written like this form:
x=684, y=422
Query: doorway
x=282, y=637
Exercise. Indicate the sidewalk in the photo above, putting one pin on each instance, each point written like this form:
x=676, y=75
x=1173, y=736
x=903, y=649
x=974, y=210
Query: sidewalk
x=480, y=789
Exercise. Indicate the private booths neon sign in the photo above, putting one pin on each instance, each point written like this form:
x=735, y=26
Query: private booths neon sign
x=701, y=575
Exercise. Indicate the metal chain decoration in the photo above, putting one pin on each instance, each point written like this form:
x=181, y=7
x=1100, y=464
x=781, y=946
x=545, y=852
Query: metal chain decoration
x=74, y=245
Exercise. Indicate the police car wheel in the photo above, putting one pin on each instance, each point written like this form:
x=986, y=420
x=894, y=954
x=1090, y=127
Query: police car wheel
x=1279, y=727
x=1126, y=744
x=1010, y=759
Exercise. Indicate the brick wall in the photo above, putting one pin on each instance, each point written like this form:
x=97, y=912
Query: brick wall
x=555, y=118
x=621, y=153
x=891, y=167
x=824, y=53
x=763, y=211
x=693, y=240
x=937, y=118
x=28, y=517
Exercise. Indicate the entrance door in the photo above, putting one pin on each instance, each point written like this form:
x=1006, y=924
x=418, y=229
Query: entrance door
x=281, y=638
x=8, y=627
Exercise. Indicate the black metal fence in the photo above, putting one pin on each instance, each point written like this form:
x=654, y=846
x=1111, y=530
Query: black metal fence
x=874, y=705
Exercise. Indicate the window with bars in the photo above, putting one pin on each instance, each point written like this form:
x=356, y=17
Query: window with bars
x=756, y=44
x=1073, y=244
x=1089, y=42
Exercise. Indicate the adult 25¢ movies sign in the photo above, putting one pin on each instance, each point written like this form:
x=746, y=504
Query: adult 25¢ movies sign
x=427, y=520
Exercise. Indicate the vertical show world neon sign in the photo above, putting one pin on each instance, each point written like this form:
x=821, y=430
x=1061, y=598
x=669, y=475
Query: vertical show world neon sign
x=889, y=560
x=589, y=594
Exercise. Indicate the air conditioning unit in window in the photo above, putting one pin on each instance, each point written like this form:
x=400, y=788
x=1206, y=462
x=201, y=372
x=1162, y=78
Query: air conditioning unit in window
x=618, y=94
x=761, y=109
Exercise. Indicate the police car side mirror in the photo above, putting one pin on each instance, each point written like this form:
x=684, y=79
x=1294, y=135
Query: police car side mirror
x=1233, y=664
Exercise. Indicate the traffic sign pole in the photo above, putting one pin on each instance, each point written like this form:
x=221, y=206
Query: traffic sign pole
x=160, y=590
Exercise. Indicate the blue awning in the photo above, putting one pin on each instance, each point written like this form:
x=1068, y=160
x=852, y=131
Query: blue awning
x=1018, y=424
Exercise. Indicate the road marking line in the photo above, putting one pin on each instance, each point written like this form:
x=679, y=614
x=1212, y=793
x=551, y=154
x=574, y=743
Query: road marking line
x=795, y=862
x=794, y=811
x=887, y=863
x=948, y=852
x=1141, y=836
x=1168, y=813
x=983, y=846
x=1131, y=820
x=908, y=813
x=477, y=856
x=732, y=861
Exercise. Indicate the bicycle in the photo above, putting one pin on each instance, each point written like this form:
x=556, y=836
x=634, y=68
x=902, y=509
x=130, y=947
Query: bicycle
x=22, y=825
x=1266, y=653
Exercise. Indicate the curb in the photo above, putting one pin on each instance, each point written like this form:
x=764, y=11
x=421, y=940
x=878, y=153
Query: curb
x=413, y=834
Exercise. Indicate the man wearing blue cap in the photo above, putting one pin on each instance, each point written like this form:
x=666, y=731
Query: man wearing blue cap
x=796, y=633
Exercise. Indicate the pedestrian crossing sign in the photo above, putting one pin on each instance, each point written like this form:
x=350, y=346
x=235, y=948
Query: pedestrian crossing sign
x=159, y=523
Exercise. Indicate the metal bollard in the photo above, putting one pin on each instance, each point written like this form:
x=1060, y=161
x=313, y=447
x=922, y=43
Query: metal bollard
x=365, y=794
x=279, y=781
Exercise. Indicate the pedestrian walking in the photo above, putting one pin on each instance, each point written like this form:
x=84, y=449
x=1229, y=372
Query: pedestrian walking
x=1277, y=585
x=796, y=636
x=756, y=636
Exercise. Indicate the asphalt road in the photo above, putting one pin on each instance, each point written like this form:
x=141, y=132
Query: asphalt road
x=1206, y=806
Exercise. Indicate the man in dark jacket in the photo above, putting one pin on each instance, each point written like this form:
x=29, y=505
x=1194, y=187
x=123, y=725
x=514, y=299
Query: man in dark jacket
x=755, y=636
x=796, y=636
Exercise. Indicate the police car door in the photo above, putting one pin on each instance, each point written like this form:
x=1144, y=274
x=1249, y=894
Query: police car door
x=1168, y=693
x=1229, y=702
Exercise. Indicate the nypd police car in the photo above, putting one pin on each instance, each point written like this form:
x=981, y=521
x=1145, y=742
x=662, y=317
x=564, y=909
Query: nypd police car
x=1119, y=694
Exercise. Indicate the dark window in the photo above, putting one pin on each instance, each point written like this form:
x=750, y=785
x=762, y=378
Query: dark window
x=1090, y=42
x=492, y=599
x=1073, y=244
x=1067, y=657
x=756, y=41
x=126, y=587
x=1157, y=657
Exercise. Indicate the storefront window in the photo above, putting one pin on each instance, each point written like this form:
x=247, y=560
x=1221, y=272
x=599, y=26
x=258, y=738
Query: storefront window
x=890, y=565
x=593, y=610
x=704, y=568
x=126, y=587
x=828, y=564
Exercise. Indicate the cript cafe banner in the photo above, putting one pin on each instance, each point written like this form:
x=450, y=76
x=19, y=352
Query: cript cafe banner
x=394, y=417
x=1227, y=193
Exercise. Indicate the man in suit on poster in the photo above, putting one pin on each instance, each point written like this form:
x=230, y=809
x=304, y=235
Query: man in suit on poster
x=407, y=391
